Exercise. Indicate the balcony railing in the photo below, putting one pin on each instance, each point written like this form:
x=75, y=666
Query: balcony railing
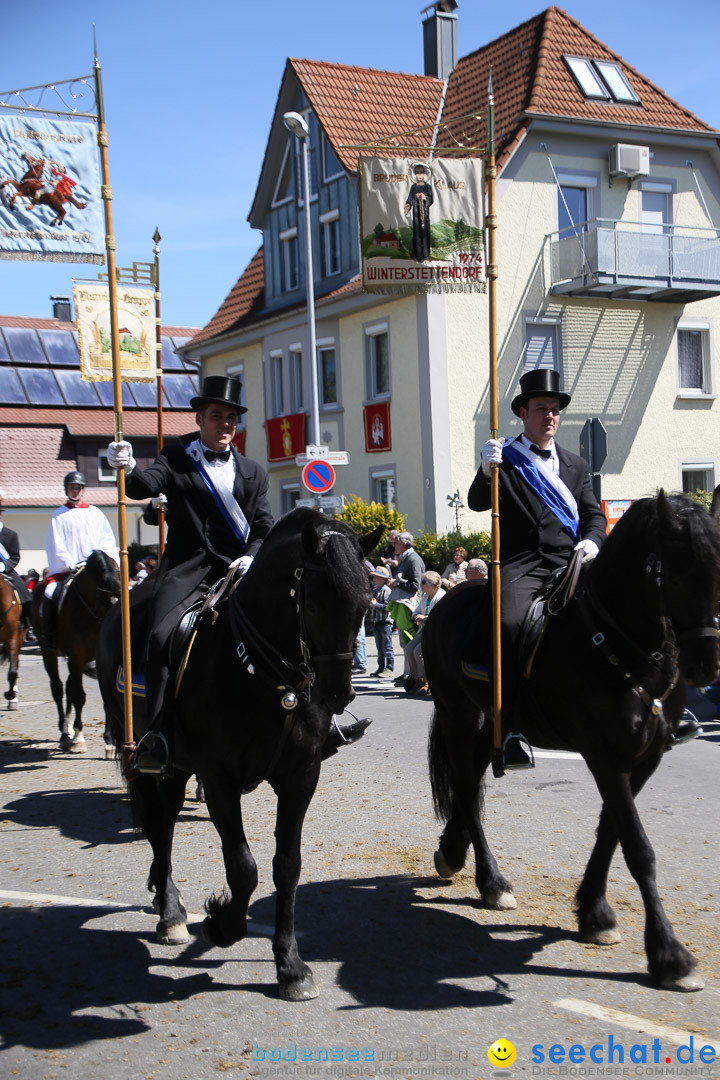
x=633, y=260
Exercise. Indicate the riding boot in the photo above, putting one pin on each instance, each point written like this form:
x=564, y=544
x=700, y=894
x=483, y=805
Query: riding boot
x=688, y=728
x=343, y=735
x=27, y=621
x=154, y=753
x=49, y=615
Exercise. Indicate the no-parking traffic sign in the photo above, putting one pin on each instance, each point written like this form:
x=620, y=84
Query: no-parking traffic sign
x=318, y=476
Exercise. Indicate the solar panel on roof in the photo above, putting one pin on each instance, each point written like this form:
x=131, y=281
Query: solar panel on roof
x=4, y=354
x=170, y=360
x=179, y=389
x=40, y=386
x=145, y=394
x=60, y=347
x=24, y=345
x=75, y=390
x=11, y=391
x=105, y=390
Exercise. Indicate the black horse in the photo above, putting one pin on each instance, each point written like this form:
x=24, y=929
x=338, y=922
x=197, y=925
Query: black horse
x=608, y=680
x=86, y=599
x=264, y=676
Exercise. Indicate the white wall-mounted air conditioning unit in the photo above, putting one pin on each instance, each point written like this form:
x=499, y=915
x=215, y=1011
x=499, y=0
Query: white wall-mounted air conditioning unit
x=629, y=160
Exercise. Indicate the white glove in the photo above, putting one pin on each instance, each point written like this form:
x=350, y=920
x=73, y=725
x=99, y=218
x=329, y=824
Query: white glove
x=2, y=565
x=492, y=454
x=243, y=564
x=120, y=456
x=589, y=550
x=159, y=502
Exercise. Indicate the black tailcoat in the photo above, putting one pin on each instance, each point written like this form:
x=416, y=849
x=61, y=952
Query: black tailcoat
x=533, y=543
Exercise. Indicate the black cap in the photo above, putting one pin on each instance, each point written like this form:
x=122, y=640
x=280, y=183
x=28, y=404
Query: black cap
x=74, y=477
x=221, y=389
x=542, y=382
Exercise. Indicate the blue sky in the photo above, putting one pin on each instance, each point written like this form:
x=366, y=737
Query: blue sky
x=190, y=90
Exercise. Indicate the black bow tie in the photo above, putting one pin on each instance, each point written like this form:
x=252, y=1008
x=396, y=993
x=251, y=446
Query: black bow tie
x=212, y=455
x=543, y=453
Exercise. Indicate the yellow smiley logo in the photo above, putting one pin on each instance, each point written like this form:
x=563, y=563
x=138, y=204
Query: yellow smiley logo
x=501, y=1054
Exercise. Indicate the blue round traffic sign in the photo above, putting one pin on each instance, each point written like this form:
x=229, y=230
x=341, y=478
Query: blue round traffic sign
x=318, y=476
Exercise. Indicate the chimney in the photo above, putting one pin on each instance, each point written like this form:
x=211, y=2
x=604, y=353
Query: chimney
x=61, y=308
x=440, y=38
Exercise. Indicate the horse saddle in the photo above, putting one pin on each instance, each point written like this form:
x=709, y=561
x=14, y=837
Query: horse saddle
x=180, y=644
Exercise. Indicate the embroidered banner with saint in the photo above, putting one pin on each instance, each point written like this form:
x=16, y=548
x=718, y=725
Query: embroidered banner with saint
x=376, y=420
x=422, y=224
x=50, y=202
x=136, y=330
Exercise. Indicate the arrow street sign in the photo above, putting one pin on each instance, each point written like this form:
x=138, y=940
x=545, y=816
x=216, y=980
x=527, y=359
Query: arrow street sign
x=318, y=476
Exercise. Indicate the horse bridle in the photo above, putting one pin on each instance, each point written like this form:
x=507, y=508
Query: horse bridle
x=658, y=660
x=293, y=681
x=93, y=610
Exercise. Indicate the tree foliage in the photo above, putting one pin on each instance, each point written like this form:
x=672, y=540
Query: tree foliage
x=363, y=517
x=436, y=550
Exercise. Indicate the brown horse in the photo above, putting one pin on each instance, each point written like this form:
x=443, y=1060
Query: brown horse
x=87, y=597
x=12, y=635
x=30, y=183
x=32, y=186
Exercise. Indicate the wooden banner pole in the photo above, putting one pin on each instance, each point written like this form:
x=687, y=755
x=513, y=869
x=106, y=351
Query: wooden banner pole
x=158, y=359
x=492, y=273
x=128, y=746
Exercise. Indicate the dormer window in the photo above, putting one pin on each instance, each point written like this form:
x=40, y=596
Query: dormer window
x=601, y=80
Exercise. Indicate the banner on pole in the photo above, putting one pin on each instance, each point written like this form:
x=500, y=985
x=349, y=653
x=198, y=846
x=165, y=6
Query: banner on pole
x=136, y=330
x=50, y=204
x=422, y=224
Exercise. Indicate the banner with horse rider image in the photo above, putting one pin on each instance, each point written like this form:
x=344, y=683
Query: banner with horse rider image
x=422, y=224
x=136, y=330
x=50, y=204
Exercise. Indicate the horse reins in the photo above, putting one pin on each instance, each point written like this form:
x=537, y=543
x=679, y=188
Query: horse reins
x=656, y=659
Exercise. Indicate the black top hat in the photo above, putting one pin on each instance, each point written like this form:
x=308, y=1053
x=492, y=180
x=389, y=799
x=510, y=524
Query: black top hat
x=542, y=382
x=221, y=389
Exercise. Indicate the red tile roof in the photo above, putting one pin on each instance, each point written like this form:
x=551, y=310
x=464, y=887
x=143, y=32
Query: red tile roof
x=29, y=323
x=97, y=421
x=357, y=105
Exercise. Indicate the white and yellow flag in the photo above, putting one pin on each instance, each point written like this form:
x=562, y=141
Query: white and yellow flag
x=422, y=224
x=136, y=330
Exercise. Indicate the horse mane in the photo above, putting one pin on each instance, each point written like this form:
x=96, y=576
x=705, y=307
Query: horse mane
x=101, y=567
x=662, y=522
x=337, y=549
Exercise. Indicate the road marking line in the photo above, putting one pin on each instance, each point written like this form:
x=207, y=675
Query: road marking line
x=639, y=1024
x=563, y=755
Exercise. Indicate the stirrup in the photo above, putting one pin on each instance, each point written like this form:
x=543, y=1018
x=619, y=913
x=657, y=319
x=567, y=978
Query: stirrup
x=517, y=752
x=147, y=760
x=688, y=728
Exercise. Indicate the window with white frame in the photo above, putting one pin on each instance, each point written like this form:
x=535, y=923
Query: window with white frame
x=290, y=496
x=693, y=359
x=237, y=371
x=577, y=202
x=296, y=379
x=106, y=475
x=541, y=345
x=289, y=263
x=383, y=487
x=277, y=389
x=377, y=342
x=330, y=247
x=327, y=373
x=697, y=476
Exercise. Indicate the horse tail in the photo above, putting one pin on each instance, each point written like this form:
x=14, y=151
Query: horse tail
x=440, y=770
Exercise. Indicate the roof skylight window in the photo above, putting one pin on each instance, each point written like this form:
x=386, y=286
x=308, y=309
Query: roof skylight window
x=586, y=78
x=615, y=81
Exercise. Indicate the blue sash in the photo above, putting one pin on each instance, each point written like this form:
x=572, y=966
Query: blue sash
x=237, y=520
x=547, y=487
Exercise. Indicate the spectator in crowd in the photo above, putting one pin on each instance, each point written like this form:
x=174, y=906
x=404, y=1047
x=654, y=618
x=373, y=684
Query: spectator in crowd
x=476, y=570
x=431, y=593
x=454, y=572
x=382, y=623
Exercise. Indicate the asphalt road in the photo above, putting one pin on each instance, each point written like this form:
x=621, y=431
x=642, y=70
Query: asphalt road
x=416, y=979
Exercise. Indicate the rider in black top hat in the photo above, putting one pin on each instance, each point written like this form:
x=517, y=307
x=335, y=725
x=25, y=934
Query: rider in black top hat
x=218, y=514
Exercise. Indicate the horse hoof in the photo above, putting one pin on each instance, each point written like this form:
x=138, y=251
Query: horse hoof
x=199, y=794
x=110, y=753
x=442, y=867
x=499, y=901
x=611, y=936
x=171, y=933
x=78, y=745
x=299, y=990
x=65, y=741
x=12, y=705
x=686, y=984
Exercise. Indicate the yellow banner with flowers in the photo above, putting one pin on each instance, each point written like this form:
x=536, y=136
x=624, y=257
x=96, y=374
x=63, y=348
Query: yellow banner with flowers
x=136, y=330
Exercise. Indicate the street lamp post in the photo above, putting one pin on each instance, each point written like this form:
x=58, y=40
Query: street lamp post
x=297, y=126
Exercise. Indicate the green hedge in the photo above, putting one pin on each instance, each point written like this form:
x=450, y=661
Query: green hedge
x=364, y=517
x=437, y=551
